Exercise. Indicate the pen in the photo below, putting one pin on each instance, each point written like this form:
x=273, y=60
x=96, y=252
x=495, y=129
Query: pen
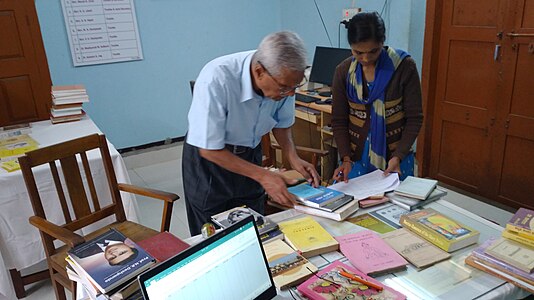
x=360, y=280
x=338, y=174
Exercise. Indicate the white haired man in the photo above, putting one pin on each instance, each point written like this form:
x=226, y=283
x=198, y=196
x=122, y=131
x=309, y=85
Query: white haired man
x=237, y=99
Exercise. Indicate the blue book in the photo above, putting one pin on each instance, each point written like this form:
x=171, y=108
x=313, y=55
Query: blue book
x=326, y=197
x=304, y=191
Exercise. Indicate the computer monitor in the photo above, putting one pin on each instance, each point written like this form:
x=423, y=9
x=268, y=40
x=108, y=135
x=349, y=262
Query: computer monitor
x=228, y=265
x=325, y=61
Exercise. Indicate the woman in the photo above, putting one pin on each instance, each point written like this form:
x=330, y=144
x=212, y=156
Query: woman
x=376, y=109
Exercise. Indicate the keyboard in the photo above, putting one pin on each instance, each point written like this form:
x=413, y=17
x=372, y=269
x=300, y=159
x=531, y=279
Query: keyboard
x=305, y=98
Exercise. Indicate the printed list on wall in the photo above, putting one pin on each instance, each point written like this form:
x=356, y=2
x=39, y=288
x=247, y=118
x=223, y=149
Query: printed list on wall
x=102, y=31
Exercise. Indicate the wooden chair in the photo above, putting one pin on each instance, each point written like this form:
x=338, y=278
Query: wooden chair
x=78, y=211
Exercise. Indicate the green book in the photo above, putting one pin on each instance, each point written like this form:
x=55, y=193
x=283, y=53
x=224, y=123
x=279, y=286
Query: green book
x=372, y=223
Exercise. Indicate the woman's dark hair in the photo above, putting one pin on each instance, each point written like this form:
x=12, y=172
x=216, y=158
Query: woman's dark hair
x=366, y=26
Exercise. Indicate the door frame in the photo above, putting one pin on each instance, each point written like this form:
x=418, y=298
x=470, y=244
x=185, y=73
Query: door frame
x=429, y=69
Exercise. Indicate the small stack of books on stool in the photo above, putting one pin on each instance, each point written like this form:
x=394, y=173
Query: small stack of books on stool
x=67, y=103
x=511, y=257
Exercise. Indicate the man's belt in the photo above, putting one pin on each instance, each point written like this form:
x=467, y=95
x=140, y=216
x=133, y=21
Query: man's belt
x=236, y=149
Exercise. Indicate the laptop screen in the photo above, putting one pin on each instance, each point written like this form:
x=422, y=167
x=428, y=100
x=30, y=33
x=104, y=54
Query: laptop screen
x=228, y=265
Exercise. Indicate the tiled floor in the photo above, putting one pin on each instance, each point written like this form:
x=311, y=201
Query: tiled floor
x=160, y=168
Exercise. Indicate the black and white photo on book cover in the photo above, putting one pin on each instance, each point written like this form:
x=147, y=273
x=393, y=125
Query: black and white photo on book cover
x=110, y=259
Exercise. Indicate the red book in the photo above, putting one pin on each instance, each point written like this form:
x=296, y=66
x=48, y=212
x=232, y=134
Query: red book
x=163, y=246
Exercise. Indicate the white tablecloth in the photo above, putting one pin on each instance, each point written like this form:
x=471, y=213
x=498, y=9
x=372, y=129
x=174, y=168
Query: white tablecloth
x=20, y=242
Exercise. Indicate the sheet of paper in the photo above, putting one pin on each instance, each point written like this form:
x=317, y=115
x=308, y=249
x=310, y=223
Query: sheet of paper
x=368, y=184
x=440, y=278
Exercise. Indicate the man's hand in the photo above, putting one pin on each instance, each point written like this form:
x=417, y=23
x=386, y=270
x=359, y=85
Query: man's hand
x=306, y=169
x=393, y=166
x=275, y=186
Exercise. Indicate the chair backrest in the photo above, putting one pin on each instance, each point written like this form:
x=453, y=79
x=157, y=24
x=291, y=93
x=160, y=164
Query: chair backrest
x=78, y=209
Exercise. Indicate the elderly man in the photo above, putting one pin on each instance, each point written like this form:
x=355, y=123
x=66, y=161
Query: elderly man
x=237, y=99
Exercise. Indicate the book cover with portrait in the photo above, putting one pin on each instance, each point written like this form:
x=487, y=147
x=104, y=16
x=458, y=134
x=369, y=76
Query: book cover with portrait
x=109, y=260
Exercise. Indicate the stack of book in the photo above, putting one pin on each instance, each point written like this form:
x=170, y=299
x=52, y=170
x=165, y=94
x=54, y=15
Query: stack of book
x=415, y=192
x=323, y=202
x=439, y=229
x=107, y=265
x=67, y=103
x=521, y=227
x=512, y=256
x=267, y=229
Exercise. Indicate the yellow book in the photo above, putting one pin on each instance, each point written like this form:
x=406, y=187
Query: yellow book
x=11, y=165
x=17, y=146
x=511, y=235
x=287, y=266
x=442, y=231
x=308, y=236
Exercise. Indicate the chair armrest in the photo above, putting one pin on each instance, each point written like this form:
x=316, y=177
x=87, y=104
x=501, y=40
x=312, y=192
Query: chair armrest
x=68, y=237
x=319, y=152
x=168, y=197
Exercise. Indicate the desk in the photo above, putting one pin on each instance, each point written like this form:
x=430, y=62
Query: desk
x=479, y=285
x=21, y=245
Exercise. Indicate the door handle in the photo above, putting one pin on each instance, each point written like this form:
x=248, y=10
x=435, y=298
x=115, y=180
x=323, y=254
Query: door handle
x=513, y=34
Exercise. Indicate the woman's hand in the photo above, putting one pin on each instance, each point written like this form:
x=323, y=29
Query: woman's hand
x=393, y=166
x=342, y=172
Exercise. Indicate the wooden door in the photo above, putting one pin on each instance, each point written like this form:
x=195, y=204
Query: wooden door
x=466, y=94
x=513, y=167
x=24, y=75
x=480, y=133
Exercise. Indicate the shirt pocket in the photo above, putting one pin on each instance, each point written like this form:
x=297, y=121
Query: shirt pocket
x=265, y=124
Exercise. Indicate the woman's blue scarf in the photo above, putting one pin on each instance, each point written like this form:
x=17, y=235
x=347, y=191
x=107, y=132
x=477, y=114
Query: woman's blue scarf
x=387, y=63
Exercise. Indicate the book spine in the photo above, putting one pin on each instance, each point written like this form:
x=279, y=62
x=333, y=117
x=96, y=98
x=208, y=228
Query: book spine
x=518, y=238
x=422, y=232
x=401, y=204
x=520, y=230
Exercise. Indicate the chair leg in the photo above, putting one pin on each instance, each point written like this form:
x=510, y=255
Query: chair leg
x=59, y=289
x=18, y=284
x=19, y=281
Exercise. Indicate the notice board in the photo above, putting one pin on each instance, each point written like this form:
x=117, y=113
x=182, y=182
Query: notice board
x=102, y=31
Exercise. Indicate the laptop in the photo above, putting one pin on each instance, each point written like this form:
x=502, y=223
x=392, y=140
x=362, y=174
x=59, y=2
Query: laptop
x=229, y=265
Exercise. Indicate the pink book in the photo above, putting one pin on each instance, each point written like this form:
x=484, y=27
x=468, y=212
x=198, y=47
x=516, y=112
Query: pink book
x=370, y=254
x=330, y=284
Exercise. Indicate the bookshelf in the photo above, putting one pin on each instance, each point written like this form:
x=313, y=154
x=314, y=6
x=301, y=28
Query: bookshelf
x=319, y=118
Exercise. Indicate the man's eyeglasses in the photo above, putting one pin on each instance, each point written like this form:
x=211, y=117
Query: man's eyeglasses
x=372, y=51
x=283, y=89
